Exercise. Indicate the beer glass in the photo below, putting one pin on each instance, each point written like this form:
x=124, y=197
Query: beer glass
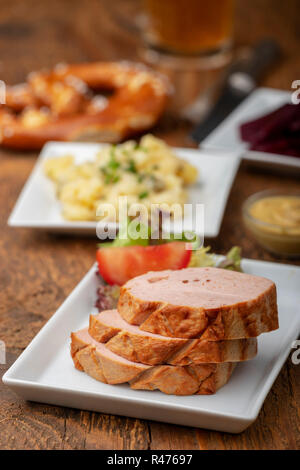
x=179, y=29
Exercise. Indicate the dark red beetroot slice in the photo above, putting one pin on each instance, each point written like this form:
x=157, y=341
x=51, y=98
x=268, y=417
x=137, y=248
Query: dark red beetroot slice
x=292, y=152
x=282, y=145
x=270, y=125
x=295, y=126
x=250, y=129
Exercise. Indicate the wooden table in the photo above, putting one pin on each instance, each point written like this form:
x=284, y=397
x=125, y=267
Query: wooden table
x=38, y=270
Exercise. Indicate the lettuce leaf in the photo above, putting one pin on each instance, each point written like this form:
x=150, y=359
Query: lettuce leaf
x=232, y=260
x=202, y=258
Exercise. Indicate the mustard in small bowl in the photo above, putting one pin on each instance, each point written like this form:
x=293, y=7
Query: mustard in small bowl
x=273, y=218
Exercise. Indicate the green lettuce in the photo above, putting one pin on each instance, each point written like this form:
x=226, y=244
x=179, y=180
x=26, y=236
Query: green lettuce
x=202, y=258
x=232, y=260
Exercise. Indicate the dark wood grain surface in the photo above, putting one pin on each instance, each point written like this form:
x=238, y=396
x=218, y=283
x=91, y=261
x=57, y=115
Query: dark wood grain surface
x=39, y=270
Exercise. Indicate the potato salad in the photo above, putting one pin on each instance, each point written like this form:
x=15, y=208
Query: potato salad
x=148, y=172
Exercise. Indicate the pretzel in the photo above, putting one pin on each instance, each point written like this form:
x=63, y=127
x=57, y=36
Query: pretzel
x=63, y=104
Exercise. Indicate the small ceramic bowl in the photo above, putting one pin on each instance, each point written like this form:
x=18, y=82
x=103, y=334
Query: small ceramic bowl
x=284, y=241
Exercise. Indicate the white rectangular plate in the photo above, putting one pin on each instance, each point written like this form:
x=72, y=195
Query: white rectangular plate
x=226, y=136
x=45, y=373
x=38, y=207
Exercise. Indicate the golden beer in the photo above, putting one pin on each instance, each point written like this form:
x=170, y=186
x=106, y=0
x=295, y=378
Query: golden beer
x=189, y=27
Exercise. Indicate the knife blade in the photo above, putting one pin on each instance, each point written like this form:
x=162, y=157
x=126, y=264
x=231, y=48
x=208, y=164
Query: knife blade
x=241, y=80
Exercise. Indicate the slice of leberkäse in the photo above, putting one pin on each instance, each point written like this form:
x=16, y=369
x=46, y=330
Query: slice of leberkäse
x=207, y=303
x=103, y=365
x=205, y=379
x=136, y=345
x=99, y=362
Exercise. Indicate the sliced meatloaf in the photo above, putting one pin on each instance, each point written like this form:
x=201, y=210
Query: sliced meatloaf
x=99, y=362
x=102, y=364
x=136, y=345
x=206, y=303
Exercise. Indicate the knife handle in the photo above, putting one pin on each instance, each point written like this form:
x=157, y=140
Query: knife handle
x=241, y=80
x=264, y=54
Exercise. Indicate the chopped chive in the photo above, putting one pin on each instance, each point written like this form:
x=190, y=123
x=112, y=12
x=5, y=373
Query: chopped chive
x=110, y=176
x=131, y=166
x=143, y=195
x=113, y=164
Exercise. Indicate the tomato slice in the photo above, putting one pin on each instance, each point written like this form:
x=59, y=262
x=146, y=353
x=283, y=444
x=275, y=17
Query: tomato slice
x=119, y=264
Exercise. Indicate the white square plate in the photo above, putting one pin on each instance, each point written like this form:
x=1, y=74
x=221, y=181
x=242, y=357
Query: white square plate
x=38, y=207
x=45, y=373
x=226, y=136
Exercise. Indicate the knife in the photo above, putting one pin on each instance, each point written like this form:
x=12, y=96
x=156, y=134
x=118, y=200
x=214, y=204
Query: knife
x=241, y=80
